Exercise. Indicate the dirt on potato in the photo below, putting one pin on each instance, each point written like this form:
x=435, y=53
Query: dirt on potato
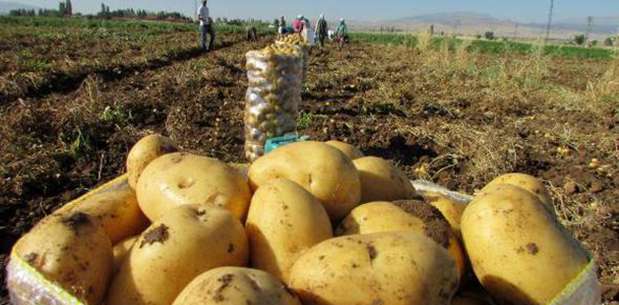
x=455, y=118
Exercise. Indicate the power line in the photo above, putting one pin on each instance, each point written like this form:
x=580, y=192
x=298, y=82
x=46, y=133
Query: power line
x=549, y=25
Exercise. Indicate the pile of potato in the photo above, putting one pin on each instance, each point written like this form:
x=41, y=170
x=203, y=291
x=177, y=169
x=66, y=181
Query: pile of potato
x=309, y=223
x=273, y=95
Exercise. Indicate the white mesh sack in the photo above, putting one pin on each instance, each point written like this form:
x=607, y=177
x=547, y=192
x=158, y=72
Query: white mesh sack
x=273, y=95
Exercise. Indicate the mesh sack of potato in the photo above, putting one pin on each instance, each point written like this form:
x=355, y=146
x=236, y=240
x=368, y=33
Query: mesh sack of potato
x=67, y=258
x=297, y=40
x=31, y=280
x=273, y=95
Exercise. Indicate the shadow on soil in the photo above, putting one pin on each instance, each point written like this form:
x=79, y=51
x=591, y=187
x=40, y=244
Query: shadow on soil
x=63, y=82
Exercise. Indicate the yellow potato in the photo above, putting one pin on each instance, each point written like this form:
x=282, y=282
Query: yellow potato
x=180, y=178
x=347, y=149
x=115, y=206
x=380, y=216
x=452, y=211
x=187, y=241
x=72, y=251
x=319, y=168
x=526, y=182
x=121, y=250
x=395, y=268
x=145, y=151
x=412, y=216
x=284, y=220
x=236, y=286
x=382, y=181
x=457, y=253
x=518, y=251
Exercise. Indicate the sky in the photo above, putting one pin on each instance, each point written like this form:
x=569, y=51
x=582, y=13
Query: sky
x=517, y=10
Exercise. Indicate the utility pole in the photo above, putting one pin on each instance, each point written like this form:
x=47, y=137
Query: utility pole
x=516, y=25
x=456, y=26
x=589, y=27
x=549, y=25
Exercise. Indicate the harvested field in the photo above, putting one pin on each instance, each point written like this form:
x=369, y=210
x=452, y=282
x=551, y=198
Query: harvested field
x=447, y=115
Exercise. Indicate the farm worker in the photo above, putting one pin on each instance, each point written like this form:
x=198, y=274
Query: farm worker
x=252, y=33
x=341, y=33
x=206, y=27
x=322, y=30
x=297, y=24
x=282, y=26
x=307, y=32
x=342, y=30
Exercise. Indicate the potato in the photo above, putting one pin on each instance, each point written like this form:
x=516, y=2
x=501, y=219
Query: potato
x=412, y=216
x=121, y=250
x=185, y=242
x=526, y=182
x=234, y=286
x=518, y=251
x=452, y=211
x=382, y=268
x=284, y=220
x=457, y=253
x=71, y=250
x=319, y=168
x=145, y=151
x=115, y=206
x=347, y=149
x=382, y=181
x=181, y=178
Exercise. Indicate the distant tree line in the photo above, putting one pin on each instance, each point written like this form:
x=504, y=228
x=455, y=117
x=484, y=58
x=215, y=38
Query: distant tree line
x=22, y=12
x=105, y=12
x=240, y=21
x=389, y=29
x=64, y=9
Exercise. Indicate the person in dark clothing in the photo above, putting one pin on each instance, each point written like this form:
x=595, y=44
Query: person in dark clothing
x=206, y=27
x=252, y=34
x=322, y=30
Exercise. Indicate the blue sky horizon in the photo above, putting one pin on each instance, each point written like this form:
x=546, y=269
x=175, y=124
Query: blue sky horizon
x=366, y=10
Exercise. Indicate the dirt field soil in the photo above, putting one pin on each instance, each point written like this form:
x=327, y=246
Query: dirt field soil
x=456, y=118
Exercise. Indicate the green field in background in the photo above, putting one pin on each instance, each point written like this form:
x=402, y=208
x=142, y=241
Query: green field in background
x=488, y=46
x=148, y=26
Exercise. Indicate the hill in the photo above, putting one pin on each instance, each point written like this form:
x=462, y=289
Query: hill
x=471, y=23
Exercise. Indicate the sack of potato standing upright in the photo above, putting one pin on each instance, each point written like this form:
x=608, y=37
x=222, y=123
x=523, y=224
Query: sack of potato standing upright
x=299, y=41
x=273, y=95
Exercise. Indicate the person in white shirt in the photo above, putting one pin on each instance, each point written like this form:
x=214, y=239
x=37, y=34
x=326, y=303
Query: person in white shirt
x=206, y=27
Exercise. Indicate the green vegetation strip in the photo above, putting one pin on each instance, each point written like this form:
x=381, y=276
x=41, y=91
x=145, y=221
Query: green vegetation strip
x=488, y=46
x=123, y=24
